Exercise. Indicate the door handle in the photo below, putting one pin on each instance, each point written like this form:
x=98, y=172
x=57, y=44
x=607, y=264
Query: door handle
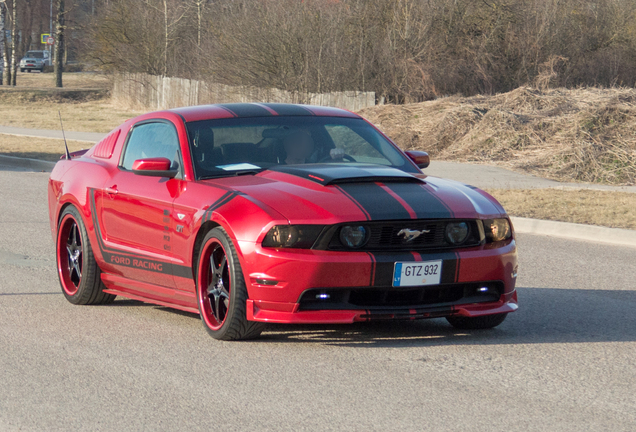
x=112, y=190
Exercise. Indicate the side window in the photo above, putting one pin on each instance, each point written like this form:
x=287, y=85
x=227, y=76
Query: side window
x=152, y=140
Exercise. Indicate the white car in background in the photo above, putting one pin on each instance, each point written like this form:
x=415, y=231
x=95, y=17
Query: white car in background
x=35, y=60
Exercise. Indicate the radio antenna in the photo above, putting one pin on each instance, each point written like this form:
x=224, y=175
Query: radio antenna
x=68, y=155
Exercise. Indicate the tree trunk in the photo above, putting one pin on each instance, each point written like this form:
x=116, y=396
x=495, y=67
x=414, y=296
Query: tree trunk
x=199, y=17
x=165, y=48
x=14, y=45
x=6, y=75
x=59, y=43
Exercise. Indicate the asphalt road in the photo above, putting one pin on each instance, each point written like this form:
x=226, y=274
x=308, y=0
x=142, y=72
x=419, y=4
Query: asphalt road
x=565, y=361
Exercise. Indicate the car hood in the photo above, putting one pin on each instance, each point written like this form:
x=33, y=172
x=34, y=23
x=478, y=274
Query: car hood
x=333, y=193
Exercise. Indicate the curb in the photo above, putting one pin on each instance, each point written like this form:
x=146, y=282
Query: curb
x=572, y=231
x=32, y=164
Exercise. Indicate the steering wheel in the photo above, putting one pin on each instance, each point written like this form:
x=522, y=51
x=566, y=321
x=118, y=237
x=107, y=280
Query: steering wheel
x=344, y=156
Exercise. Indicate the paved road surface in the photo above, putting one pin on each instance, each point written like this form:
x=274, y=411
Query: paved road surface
x=565, y=361
x=48, y=133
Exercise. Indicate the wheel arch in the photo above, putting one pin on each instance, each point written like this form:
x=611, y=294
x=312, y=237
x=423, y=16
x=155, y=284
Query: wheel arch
x=205, y=228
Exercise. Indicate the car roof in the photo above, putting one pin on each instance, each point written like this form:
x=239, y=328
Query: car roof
x=245, y=110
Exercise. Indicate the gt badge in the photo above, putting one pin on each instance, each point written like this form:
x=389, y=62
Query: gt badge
x=410, y=235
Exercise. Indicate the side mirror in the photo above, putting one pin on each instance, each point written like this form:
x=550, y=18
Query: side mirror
x=154, y=167
x=421, y=159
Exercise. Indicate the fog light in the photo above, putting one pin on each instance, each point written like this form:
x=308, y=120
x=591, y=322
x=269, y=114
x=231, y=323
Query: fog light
x=483, y=289
x=266, y=282
x=323, y=296
x=353, y=236
x=456, y=232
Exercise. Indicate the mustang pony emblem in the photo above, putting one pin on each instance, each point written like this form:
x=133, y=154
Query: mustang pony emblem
x=410, y=235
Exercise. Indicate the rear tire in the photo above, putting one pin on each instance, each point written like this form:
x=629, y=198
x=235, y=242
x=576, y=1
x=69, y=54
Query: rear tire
x=476, y=323
x=77, y=270
x=221, y=290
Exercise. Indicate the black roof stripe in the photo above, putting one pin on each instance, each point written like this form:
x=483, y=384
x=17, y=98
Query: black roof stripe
x=289, y=110
x=247, y=110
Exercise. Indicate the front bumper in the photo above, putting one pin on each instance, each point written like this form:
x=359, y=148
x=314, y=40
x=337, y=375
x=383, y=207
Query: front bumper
x=360, y=288
x=34, y=66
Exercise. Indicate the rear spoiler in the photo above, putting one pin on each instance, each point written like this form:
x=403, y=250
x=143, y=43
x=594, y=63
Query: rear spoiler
x=74, y=154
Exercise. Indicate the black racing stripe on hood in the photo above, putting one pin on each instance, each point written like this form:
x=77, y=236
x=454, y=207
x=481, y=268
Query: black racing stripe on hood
x=246, y=110
x=289, y=110
x=422, y=200
x=377, y=202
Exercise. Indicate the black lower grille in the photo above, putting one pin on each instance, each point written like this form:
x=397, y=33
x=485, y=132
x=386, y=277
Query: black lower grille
x=379, y=298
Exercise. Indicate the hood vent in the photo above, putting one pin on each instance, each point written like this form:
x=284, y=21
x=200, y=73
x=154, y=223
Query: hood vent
x=331, y=174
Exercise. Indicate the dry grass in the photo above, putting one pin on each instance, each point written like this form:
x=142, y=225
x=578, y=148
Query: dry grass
x=95, y=116
x=37, y=148
x=584, y=206
x=34, y=104
x=568, y=135
x=75, y=80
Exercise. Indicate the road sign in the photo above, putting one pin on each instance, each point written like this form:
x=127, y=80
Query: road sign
x=50, y=40
x=44, y=37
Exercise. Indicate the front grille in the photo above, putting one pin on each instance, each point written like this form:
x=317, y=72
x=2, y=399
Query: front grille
x=383, y=298
x=384, y=235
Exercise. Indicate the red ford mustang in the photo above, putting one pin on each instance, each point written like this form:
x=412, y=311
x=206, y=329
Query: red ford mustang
x=271, y=213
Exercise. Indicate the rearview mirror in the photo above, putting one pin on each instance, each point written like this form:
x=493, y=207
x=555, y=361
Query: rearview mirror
x=154, y=167
x=421, y=159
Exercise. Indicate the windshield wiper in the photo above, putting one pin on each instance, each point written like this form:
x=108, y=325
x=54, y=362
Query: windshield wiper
x=232, y=173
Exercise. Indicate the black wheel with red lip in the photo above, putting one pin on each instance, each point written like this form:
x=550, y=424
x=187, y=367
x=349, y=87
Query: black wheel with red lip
x=77, y=270
x=221, y=290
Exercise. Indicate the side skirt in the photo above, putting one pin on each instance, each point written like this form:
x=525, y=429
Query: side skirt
x=149, y=293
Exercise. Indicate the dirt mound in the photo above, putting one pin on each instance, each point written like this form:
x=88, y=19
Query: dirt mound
x=569, y=135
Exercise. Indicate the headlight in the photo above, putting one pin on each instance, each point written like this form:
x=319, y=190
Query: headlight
x=457, y=232
x=497, y=229
x=353, y=236
x=292, y=236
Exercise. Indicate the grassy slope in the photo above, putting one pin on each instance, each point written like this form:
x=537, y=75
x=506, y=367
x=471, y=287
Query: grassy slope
x=591, y=207
x=568, y=135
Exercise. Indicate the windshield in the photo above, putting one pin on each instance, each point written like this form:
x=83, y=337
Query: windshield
x=247, y=145
x=35, y=54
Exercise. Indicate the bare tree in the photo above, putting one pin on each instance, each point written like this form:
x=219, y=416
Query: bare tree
x=14, y=44
x=59, y=43
x=6, y=76
x=404, y=50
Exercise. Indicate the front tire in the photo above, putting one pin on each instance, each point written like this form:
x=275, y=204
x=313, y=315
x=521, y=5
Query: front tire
x=77, y=269
x=477, y=323
x=221, y=290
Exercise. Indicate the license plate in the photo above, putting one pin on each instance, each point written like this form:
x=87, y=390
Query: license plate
x=417, y=273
